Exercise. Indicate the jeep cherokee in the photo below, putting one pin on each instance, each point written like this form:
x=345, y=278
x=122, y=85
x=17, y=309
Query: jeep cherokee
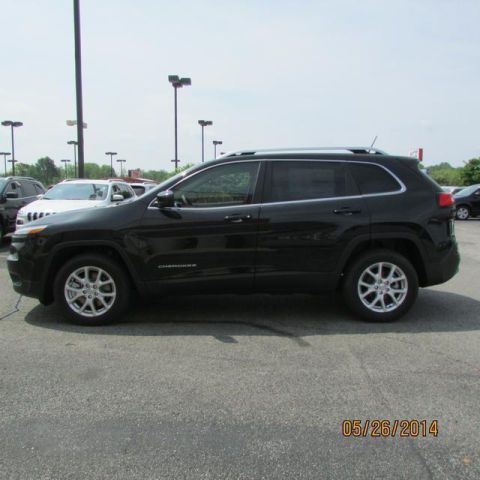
x=279, y=221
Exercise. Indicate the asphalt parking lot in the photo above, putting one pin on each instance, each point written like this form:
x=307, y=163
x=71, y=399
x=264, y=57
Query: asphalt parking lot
x=242, y=387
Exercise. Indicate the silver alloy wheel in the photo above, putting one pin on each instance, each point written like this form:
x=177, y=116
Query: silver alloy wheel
x=90, y=291
x=463, y=213
x=382, y=287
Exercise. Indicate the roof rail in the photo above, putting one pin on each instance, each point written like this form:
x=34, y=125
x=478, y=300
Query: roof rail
x=354, y=150
x=21, y=177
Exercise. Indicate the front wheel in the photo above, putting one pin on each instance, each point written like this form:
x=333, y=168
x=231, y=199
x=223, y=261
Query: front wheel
x=380, y=286
x=462, y=213
x=92, y=290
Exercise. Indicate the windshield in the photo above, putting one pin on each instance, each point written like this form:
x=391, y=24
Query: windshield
x=2, y=183
x=468, y=191
x=77, y=191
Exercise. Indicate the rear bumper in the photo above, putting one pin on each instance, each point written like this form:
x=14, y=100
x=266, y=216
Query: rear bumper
x=445, y=269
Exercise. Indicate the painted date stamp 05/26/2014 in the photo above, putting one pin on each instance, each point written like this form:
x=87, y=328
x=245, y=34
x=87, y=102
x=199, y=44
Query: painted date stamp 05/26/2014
x=390, y=428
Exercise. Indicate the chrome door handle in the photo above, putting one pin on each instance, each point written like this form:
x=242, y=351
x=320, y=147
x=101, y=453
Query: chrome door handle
x=346, y=211
x=237, y=218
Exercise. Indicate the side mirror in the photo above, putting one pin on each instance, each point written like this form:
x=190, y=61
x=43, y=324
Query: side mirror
x=165, y=199
x=117, y=197
x=39, y=197
x=11, y=195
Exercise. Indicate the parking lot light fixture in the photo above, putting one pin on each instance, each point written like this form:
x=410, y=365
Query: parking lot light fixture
x=111, y=161
x=121, y=161
x=12, y=125
x=177, y=83
x=203, y=124
x=215, y=143
x=75, y=146
x=66, y=161
x=5, y=155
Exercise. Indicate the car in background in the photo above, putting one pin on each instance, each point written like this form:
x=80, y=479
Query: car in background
x=452, y=190
x=75, y=195
x=141, y=188
x=468, y=202
x=15, y=193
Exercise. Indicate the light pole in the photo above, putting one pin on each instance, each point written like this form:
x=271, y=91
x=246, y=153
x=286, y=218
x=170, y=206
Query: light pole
x=65, y=161
x=12, y=125
x=78, y=86
x=75, y=144
x=203, y=124
x=111, y=161
x=5, y=155
x=121, y=161
x=215, y=143
x=177, y=83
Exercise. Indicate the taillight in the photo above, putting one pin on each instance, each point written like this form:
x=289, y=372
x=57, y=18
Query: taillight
x=445, y=199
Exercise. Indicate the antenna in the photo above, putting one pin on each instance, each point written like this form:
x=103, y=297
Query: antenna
x=374, y=140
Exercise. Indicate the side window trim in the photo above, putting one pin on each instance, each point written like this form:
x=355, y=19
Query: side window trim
x=264, y=177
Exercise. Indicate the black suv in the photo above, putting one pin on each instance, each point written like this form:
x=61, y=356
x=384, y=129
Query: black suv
x=275, y=221
x=468, y=202
x=15, y=193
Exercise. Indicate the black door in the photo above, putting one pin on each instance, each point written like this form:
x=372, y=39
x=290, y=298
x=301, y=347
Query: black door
x=475, y=202
x=12, y=204
x=207, y=241
x=311, y=212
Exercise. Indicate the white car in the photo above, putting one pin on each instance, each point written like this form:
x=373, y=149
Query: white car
x=143, y=187
x=75, y=195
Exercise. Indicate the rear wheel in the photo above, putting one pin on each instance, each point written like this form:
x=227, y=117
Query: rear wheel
x=2, y=233
x=380, y=286
x=462, y=212
x=92, y=290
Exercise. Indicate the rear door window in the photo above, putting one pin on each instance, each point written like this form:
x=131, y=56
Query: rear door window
x=28, y=190
x=373, y=178
x=308, y=180
x=38, y=189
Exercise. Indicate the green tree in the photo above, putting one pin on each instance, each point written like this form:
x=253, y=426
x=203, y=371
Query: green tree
x=93, y=170
x=471, y=171
x=444, y=174
x=46, y=171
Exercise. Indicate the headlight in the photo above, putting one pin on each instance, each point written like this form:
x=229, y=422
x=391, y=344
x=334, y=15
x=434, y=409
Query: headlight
x=30, y=230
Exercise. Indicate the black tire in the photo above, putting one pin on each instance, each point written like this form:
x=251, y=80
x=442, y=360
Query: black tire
x=351, y=286
x=462, y=212
x=2, y=233
x=117, y=305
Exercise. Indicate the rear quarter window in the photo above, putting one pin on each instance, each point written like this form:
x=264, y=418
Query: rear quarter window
x=373, y=179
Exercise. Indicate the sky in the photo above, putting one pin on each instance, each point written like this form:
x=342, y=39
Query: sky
x=271, y=73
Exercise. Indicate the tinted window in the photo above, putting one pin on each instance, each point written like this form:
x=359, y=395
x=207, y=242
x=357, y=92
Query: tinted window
x=124, y=190
x=373, y=179
x=28, y=190
x=38, y=189
x=13, y=187
x=231, y=184
x=303, y=180
x=139, y=190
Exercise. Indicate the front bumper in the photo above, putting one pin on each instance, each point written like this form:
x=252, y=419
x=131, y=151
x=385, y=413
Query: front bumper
x=22, y=273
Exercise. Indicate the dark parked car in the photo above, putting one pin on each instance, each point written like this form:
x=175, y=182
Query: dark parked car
x=468, y=202
x=15, y=192
x=369, y=224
